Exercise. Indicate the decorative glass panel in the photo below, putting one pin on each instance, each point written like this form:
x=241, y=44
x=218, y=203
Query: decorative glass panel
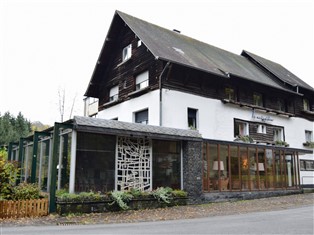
x=133, y=164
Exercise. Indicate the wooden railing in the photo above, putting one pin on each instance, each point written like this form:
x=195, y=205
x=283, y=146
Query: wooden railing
x=24, y=208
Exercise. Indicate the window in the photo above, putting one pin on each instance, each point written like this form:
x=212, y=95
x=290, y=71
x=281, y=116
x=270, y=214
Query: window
x=192, y=118
x=278, y=134
x=114, y=93
x=261, y=129
x=139, y=43
x=166, y=164
x=257, y=99
x=306, y=165
x=306, y=104
x=241, y=128
x=308, y=136
x=230, y=94
x=141, y=117
x=126, y=53
x=142, y=80
x=281, y=105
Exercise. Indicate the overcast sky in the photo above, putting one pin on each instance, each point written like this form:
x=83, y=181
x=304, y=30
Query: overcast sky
x=50, y=45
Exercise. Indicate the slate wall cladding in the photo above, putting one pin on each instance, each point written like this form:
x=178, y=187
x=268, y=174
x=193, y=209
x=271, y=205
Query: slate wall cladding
x=192, y=170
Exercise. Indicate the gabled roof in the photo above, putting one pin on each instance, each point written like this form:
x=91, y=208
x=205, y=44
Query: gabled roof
x=177, y=48
x=104, y=126
x=278, y=70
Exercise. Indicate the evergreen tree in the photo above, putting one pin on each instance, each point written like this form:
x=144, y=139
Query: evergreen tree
x=12, y=129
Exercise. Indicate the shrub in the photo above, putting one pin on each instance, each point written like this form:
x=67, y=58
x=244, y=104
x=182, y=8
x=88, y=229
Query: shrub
x=121, y=198
x=179, y=193
x=8, y=175
x=25, y=191
x=64, y=196
x=163, y=194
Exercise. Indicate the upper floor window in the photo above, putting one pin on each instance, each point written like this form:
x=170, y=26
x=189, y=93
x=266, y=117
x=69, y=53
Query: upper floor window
x=192, y=118
x=114, y=93
x=306, y=165
x=281, y=105
x=230, y=94
x=258, y=99
x=139, y=43
x=308, y=136
x=278, y=134
x=141, y=117
x=306, y=104
x=241, y=128
x=126, y=53
x=261, y=129
x=142, y=80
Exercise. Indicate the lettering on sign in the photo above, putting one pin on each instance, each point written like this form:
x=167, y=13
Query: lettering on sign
x=261, y=117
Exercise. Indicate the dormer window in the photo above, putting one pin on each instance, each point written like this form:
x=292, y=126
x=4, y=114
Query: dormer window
x=258, y=99
x=127, y=53
x=114, y=93
x=141, y=80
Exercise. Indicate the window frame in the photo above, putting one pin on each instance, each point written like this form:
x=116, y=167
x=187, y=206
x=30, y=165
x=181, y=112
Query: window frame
x=258, y=99
x=276, y=134
x=142, y=80
x=144, y=121
x=230, y=93
x=237, y=131
x=308, y=136
x=194, y=118
x=114, y=93
x=126, y=53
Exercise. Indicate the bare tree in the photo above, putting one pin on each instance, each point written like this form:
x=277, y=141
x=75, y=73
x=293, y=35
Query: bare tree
x=61, y=93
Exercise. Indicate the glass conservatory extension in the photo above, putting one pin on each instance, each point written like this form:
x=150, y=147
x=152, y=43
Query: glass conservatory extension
x=228, y=167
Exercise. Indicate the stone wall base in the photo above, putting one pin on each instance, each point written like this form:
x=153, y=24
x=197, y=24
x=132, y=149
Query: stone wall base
x=233, y=196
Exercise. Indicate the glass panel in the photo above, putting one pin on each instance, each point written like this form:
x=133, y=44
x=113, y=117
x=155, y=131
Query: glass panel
x=95, y=162
x=289, y=170
x=278, y=175
x=244, y=168
x=261, y=169
x=253, y=169
x=222, y=168
x=166, y=164
x=269, y=169
x=213, y=155
x=235, y=164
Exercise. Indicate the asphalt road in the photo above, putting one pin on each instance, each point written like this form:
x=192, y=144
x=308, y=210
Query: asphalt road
x=290, y=221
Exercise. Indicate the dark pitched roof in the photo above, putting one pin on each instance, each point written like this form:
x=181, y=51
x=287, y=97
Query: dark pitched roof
x=177, y=48
x=105, y=126
x=278, y=70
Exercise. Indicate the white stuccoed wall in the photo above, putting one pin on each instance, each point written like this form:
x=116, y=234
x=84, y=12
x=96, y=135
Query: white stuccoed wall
x=125, y=111
x=215, y=119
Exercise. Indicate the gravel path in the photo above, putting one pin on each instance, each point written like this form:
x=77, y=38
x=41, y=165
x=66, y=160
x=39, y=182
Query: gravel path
x=171, y=213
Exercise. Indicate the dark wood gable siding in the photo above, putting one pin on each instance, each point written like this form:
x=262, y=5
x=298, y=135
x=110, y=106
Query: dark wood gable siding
x=212, y=86
x=123, y=73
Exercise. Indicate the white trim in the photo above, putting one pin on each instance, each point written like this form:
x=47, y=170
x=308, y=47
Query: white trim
x=116, y=166
x=60, y=162
x=73, y=162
